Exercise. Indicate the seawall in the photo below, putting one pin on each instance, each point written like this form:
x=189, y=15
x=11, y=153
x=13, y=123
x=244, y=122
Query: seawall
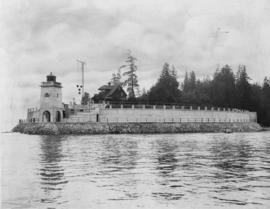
x=154, y=115
x=132, y=128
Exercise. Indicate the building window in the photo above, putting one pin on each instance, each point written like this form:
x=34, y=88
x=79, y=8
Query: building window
x=46, y=95
x=57, y=95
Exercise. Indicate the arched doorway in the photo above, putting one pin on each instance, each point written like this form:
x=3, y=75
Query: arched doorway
x=46, y=117
x=58, y=116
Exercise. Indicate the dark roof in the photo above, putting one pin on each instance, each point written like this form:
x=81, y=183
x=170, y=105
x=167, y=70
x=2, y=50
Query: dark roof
x=115, y=87
x=106, y=87
x=111, y=89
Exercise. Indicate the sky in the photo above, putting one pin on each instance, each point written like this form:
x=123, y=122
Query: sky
x=38, y=37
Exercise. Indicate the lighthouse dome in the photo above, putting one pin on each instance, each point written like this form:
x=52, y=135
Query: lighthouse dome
x=51, y=77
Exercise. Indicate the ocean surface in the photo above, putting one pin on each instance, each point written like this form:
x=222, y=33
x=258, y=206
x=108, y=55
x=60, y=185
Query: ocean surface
x=136, y=171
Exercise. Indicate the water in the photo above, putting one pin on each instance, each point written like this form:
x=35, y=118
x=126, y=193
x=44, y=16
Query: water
x=136, y=171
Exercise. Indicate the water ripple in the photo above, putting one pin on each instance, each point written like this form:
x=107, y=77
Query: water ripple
x=215, y=170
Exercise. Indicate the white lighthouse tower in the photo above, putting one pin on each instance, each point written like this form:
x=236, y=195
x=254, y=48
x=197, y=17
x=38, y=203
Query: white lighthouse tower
x=51, y=106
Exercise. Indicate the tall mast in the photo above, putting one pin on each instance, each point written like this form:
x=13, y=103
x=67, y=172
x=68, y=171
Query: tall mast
x=82, y=64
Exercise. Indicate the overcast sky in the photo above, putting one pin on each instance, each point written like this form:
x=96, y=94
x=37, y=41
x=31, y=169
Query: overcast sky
x=38, y=37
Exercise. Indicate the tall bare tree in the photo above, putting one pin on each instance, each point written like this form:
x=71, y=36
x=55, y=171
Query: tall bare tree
x=132, y=79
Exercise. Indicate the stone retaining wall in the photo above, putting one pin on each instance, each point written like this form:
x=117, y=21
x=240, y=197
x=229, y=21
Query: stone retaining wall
x=132, y=128
x=173, y=115
x=128, y=115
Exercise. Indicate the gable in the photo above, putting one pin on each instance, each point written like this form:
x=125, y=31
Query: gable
x=117, y=93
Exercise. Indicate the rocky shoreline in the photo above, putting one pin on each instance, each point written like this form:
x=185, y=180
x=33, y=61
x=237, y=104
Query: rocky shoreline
x=132, y=128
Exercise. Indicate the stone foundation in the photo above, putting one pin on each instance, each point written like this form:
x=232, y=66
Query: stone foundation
x=132, y=128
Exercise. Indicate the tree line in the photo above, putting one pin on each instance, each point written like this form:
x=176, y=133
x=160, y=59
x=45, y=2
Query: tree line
x=225, y=89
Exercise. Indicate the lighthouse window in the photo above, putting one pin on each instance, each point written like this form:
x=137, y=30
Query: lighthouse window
x=46, y=95
x=57, y=95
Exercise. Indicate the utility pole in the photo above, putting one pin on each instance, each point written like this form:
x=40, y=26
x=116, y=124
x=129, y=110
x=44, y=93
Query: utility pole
x=82, y=64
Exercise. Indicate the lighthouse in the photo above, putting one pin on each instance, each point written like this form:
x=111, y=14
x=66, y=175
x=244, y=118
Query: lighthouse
x=51, y=106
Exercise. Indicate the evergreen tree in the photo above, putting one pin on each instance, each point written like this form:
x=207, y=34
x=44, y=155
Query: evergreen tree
x=189, y=84
x=243, y=89
x=165, y=73
x=266, y=88
x=132, y=80
x=192, y=81
x=174, y=73
x=189, y=89
x=202, y=92
x=223, y=88
x=257, y=102
x=266, y=102
x=185, y=83
x=166, y=89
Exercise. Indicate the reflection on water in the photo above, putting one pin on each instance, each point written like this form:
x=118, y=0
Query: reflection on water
x=231, y=157
x=167, y=165
x=51, y=172
x=118, y=161
x=137, y=171
x=166, y=155
x=121, y=153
